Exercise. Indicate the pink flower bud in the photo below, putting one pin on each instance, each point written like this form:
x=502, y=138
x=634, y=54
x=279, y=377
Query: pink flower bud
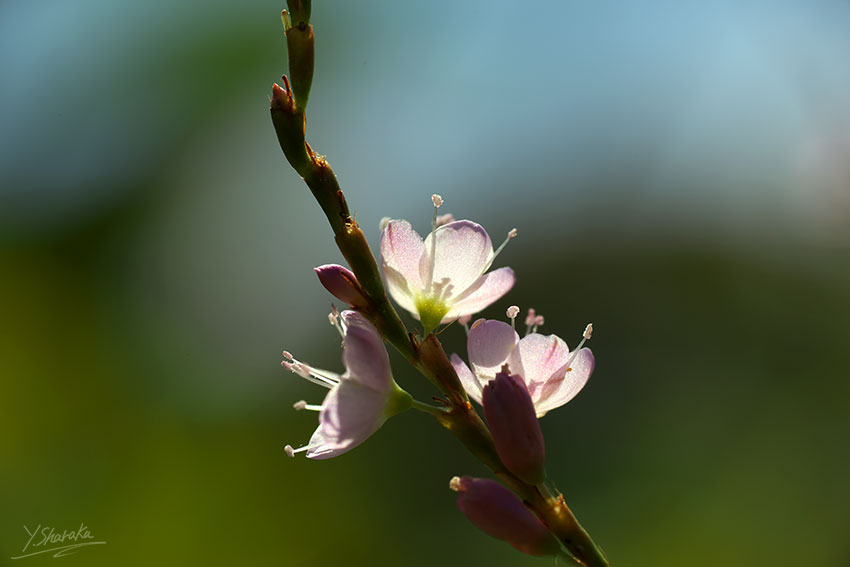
x=516, y=432
x=498, y=512
x=342, y=283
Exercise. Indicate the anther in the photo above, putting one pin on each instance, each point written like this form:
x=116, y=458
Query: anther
x=437, y=200
x=512, y=313
x=454, y=483
x=290, y=452
x=300, y=405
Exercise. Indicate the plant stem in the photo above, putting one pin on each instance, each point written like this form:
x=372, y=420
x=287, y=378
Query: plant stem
x=288, y=107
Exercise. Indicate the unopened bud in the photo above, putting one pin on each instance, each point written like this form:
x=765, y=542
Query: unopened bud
x=501, y=514
x=342, y=283
x=516, y=432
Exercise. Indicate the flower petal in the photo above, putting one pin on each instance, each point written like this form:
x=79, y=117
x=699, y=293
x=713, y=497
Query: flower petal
x=489, y=344
x=350, y=414
x=399, y=289
x=537, y=358
x=557, y=392
x=488, y=289
x=462, y=253
x=467, y=378
x=364, y=354
x=401, y=253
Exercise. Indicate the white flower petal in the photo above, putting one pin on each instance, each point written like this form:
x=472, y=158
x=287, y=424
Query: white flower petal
x=469, y=381
x=489, y=344
x=364, y=354
x=488, y=289
x=537, y=358
x=399, y=289
x=350, y=414
x=401, y=252
x=462, y=253
x=559, y=391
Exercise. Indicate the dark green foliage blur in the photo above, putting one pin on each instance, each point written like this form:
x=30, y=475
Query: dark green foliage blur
x=678, y=174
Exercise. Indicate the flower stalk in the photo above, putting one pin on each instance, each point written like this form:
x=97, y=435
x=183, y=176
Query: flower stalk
x=287, y=106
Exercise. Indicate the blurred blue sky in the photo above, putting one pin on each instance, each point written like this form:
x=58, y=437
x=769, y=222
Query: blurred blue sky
x=731, y=113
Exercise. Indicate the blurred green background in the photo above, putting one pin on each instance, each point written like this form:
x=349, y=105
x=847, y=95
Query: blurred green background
x=679, y=173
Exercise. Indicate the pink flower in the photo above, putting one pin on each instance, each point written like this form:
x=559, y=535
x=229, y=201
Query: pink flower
x=360, y=400
x=552, y=373
x=443, y=277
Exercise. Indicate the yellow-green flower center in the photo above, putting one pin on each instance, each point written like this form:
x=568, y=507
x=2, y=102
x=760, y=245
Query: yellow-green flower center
x=431, y=311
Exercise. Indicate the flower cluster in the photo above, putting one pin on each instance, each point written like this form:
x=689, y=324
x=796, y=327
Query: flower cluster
x=440, y=279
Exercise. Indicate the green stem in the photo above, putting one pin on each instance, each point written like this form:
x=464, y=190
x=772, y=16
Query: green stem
x=427, y=408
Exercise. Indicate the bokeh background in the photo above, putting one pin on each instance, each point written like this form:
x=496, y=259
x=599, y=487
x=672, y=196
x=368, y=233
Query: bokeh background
x=679, y=173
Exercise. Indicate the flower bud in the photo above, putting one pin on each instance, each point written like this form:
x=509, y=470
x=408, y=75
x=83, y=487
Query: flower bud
x=516, y=432
x=342, y=283
x=498, y=512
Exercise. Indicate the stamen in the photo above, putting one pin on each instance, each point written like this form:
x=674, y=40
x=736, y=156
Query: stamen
x=336, y=320
x=454, y=484
x=585, y=336
x=438, y=202
x=512, y=312
x=290, y=452
x=302, y=405
x=511, y=235
x=538, y=321
x=532, y=321
x=465, y=322
x=323, y=378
